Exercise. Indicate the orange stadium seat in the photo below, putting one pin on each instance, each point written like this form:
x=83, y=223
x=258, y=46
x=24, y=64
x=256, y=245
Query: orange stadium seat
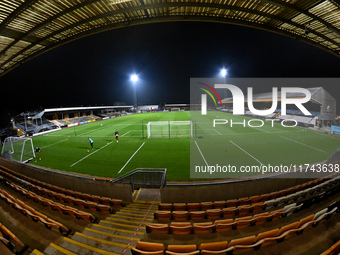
x=197, y=215
x=232, y=203
x=206, y=206
x=180, y=215
x=179, y=207
x=225, y=225
x=165, y=207
x=157, y=228
x=220, y=204
x=162, y=215
x=203, y=227
x=180, y=228
x=182, y=248
x=148, y=248
x=214, y=214
x=214, y=246
x=193, y=206
x=229, y=212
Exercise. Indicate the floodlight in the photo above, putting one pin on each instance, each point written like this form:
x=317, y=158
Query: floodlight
x=224, y=72
x=134, y=78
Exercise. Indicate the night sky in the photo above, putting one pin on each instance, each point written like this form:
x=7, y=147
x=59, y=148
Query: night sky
x=95, y=70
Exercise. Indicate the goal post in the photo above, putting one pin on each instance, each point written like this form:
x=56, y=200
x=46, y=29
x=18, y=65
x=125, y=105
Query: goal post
x=175, y=109
x=21, y=149
x=169, y=129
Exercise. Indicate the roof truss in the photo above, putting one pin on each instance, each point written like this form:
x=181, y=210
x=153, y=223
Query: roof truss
x=31, y=27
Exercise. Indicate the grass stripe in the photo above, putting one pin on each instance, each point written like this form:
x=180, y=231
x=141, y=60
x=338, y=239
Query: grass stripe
x=101, y=240
x=117, y=229
x=89, y=247
x=61, y=249
x=111, y=235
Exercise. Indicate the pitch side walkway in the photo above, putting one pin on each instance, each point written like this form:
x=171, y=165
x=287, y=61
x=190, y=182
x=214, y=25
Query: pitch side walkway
x=113, y=235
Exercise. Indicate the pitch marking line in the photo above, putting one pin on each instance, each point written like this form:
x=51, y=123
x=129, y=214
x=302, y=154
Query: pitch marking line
x=90, y=154
x=201, y=154
x=301, y=143
x=126, y=133
x=217, y=132
x=246, y=152
x=131, y=157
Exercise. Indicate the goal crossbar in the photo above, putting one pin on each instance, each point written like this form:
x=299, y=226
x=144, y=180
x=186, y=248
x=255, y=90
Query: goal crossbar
x=169, y=129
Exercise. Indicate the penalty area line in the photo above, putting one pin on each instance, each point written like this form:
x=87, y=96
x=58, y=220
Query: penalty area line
x=246, y=152
x=131, y=157
x=90, y=154
x=201, y=154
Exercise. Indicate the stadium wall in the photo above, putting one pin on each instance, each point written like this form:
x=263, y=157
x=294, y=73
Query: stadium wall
x=73, y=182
x=229, y=190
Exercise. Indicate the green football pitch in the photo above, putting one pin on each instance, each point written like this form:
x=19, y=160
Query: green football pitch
x=69, y=149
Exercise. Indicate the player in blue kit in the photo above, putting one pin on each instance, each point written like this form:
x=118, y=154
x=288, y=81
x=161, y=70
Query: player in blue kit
x=91, y=142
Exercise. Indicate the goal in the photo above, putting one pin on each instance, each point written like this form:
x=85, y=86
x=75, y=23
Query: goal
x=175, y=109
x=21, y=149
x=169, y=129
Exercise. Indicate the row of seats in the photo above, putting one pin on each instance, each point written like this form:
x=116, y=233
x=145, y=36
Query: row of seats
x=208, y=214
x=334, y=249
x=12, y=241
x=231, y=211
x=73, y=201
x=227, y=224
x=183, y=228
x=87, y=197
x=35, y=215
x=241, y=201
x=225, y=247
x=221, y=225
x=53, y=205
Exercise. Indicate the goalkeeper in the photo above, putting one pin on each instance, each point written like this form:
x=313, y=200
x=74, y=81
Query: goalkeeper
x=116, y=135
x=91, y=142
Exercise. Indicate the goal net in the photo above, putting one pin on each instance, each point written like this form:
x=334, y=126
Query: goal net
x=21, y=149
x=175, y=109
x=169, y=129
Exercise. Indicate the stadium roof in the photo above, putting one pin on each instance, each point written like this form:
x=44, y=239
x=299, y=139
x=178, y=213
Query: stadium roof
x=31, y=27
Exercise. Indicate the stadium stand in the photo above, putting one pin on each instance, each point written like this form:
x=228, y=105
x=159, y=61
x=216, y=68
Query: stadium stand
x=334, y=249
x=12, y=242
x=264, y=222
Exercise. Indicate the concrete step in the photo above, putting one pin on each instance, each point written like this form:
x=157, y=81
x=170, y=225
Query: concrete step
x=127, y=221
x=54, y=249
x=131, y=217
x=84, y=249
x=100, y=243
x=110, y=236
x=37, y=252
x=116, y=230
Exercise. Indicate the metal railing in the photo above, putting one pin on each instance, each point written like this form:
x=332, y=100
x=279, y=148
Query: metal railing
x=154, y=178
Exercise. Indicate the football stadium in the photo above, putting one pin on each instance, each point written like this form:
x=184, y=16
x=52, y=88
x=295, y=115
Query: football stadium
x=228, y=166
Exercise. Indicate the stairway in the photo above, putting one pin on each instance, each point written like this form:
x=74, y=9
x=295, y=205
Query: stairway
x=111, y=236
